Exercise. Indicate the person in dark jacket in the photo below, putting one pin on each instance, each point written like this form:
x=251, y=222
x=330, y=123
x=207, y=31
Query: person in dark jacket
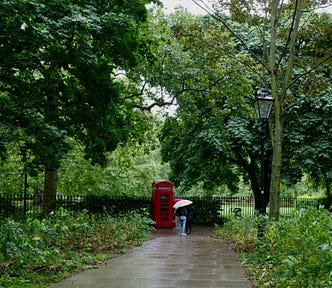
x=189, y=220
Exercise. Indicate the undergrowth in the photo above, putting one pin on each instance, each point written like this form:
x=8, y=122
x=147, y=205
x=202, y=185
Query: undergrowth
x=294, y=252
x=37, y=252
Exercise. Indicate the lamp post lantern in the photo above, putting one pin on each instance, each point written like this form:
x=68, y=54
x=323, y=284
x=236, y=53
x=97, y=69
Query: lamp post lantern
x=263, y=107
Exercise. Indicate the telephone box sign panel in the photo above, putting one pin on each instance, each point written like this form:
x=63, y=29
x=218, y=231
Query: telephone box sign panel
x=162, y=203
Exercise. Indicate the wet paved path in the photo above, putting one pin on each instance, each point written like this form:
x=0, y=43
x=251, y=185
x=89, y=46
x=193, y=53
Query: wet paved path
x=168, y=260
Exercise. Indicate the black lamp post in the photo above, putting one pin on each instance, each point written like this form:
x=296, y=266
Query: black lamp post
x=263, y=107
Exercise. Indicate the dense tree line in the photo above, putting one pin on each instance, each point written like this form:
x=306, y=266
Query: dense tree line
x=60, y=66
x=214, y=137
x=88, y=74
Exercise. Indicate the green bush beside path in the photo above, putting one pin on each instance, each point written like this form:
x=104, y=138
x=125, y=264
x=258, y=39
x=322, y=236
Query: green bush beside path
x=294, y=252
x=35, y=253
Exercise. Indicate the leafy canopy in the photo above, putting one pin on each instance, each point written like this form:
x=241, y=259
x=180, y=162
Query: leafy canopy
x=59, y=63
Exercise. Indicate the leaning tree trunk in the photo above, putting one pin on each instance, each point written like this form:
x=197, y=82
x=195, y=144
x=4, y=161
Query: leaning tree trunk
x=278, y=93
x=276, y=133
x=50, y=189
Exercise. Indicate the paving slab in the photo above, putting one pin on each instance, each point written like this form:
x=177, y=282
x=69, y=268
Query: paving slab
x=168, y=260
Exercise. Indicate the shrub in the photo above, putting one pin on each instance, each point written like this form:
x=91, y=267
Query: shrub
x=298, y=250
x=37, y=251
x=294, y=252
x=241, y=230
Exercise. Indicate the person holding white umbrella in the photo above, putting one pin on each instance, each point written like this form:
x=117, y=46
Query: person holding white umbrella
x=182, y=212
x=176, y=218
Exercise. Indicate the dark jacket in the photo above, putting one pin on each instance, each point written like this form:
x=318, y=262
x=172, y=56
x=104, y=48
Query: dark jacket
x=181, y=211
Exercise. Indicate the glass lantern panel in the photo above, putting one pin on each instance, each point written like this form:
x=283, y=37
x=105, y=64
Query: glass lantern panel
x=265, y=109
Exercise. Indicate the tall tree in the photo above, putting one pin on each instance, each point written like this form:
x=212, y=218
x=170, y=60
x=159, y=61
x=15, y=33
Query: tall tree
x=279, y=25
x=59, y=62
x=308, y=142
x=307, y=129
x=212, y=139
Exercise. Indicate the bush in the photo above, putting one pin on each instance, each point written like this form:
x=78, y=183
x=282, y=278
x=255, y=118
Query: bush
x=241, y=230
x=298, y=250
x=38, y=251
x=294, y=252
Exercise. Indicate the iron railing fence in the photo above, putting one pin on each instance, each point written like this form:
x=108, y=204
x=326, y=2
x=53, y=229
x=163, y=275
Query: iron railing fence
x=206, y=209
x=21, y=204
x=217, y=209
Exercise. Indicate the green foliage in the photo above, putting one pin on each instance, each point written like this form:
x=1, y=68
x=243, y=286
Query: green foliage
x=130, y=170
x=69, y=69
x=212, y=139
x=11, y=173
x=242, y=230
x=294, y=252
x=41, y=251
x=60, y=63
x=213, y=126
x=288, y=49
x=308, y=141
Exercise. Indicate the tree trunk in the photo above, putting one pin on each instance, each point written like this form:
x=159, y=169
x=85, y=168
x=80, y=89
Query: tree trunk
x=50, y=189
x=275, y=135
x=254, y=186
x=279, y=96
x=267, y=178
x=251, y=169
x=276, y=168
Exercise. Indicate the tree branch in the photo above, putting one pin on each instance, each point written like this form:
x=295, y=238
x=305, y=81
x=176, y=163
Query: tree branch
x=294, y=33
x=283, y=53
x=224, y=22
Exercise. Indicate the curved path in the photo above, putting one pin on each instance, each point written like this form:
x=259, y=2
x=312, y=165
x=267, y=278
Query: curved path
x=168, y=260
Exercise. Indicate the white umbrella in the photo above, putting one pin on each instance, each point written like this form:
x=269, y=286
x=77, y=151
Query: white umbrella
x=181, y=203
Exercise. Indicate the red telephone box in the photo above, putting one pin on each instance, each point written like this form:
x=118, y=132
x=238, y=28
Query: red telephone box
x=162, y=203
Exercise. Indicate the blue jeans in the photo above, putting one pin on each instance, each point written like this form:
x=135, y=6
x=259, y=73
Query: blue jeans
x=182, y=228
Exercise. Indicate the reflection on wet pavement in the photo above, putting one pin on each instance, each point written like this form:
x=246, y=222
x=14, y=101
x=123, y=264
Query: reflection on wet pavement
x=169, y=260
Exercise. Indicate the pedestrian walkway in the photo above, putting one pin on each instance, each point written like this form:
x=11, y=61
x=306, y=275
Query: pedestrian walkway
x=168, y=260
